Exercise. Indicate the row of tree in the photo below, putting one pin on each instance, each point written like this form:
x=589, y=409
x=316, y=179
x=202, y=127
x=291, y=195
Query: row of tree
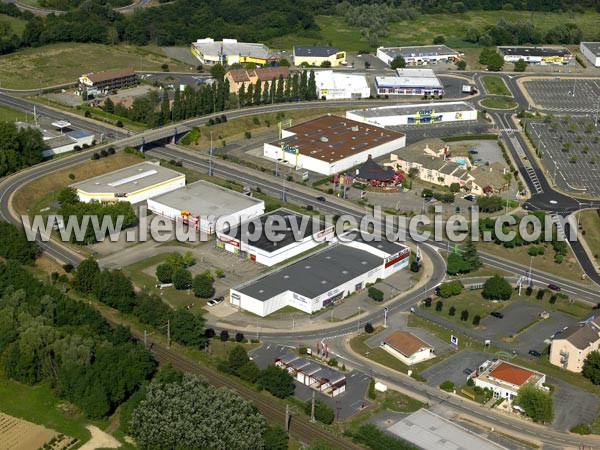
x=19, y=148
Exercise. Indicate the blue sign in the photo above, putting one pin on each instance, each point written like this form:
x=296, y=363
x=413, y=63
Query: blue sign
x=425, y=112
x=290, y=149
x=454, y=340
x=385, y=309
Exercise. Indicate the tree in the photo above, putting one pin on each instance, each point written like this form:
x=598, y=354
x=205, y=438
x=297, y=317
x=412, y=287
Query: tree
x=277, y=381
x=323, y=413
x=591, y=367
x=496, y=288
x=495, y=62
x=471, y=257
x=369, y=328
x=439, y=305
x=109, y=106
x=454, y=187
x=186, y=328
x=464, y=315
x=457, y=264
x=85, y=275
x=182, y=278
x=276, y=437
x=284, y=62
x=520, y=65
x=452, y=311
x=398, y=63
x=237, y=358
x=536, y=403
x=164, y=273
x=249, y=372
x=461, y=65
x=311, y=89
x=14, y=244
x=438, y=40
x=202, y=285
x=476, y=320
x=114, y=289
x=169, y=417
x=218, y=72
x=165, y=107
x=175, y=260
x=450, y=289
x=224, y=336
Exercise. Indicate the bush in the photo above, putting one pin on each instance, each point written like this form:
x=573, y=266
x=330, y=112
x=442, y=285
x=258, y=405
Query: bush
x=302, y=350
x=224, y=336
x=375, y=294
x=427, y=302
x=239, y=337
x=439, y=305
x=119, y=124
x=369, y=328
x=476, y=320
x=452, y=311
x=95, y=156
x=581, y=428
x=111, y=150
x=447, y=386
x=371, y=393
x=450, y=288
x=323, y=413
x=470, y=382
x=209, y=333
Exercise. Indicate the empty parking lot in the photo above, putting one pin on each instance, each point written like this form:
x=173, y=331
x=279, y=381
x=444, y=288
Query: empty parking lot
x=566, y=95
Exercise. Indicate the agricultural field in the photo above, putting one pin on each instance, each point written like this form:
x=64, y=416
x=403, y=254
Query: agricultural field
x=58, y=64
x=17, y=434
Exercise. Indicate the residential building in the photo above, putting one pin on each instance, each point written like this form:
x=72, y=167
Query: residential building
x=505, y=379
x=407, y=347
x=410, y=81
x=332, y=144
x=230, y=51
x=131, y=184
x=591, y=50
x=538, y=55
x=246, y=77
x=571, y=347
x=419, y=55
x=396, y=115
x=102, y=83
x=341, y=85
x=316, y=55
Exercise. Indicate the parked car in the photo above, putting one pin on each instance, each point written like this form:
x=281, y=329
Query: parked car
x=473, y=152
x=457, y=209
x=470, y=197
x=321, y=198
x=535, y=353
x=215, y=301
x=467, y=371
x=497, y=314
x=554, y=287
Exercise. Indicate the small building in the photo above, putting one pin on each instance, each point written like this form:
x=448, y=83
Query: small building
x=591, y=50
x=246, y=77
x=131, y=184
x=316, y=55
x=318, y=377
x=572, y=346
x=102, y=83
x=410, y=81
x=407, y=347
x=505, y=379
x=397, y=115
x=67, y=142
x=419, y=55
x=332, y=144
x=538, y=55
x=206, y=206
x=340, y=85
x=230, y=51
x=297, y=234
x=376, y=176
x=327, y=276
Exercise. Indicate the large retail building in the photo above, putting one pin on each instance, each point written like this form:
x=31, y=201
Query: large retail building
x=538, y=55
x=419, y=55
x=230, y=51
x=325, y=277
x=332, y=144
x=131, y=184
x=341, y=85
x=410, y=82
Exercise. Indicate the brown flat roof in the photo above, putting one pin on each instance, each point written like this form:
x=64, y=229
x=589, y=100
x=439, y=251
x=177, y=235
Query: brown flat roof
x=263, y=74
x=331, y=138
x=511, y=374
x=406, y=343
x=98, y=77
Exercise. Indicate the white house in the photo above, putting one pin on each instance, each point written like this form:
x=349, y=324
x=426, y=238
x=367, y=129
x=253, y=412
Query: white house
x=407, y=347
x=504, y=379
x=341, y=85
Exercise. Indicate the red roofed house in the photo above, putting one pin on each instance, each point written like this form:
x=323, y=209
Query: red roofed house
x=246, y=77
x=504, y=379
x=407, y=347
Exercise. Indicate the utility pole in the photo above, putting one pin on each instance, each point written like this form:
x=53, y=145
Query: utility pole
x=168, y=333
x=210, y=152
x=312, y=408
x=145, y=339
x=287, y=419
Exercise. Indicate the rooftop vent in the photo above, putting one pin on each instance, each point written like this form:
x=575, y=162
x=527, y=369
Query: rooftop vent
x=307, y=267
x=286, y=276
x=324, y=139
x=345, y=272
x=364, y=263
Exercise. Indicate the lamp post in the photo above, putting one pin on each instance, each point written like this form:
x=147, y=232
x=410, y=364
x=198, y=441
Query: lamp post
x=210, y=152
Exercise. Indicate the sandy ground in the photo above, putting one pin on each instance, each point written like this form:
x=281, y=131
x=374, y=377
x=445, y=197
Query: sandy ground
x=99, y=439
x=18, y=434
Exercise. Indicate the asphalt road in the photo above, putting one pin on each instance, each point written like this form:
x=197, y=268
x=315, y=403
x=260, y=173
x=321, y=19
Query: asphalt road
x=45, y=11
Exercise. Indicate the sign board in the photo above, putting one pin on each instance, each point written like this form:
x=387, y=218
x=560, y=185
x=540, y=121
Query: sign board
x=363, y=195
x=454, y=340
x=304, y=176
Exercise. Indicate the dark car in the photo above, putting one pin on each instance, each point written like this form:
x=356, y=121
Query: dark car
x=473, y=152
x=554, y=287
x=467, y=371
x=469, y=198
x=535, y=353
x=457, y=209
x=321, y=198
x=497, y=314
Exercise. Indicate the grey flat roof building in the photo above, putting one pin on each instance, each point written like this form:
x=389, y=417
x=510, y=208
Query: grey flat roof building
x=389, y=247
x=314, y=275
x=129, y=179
x=422, y=50
x=319, y=51
x=593, y=47
x=203, y=197
x=534, y=51
x=401, y=110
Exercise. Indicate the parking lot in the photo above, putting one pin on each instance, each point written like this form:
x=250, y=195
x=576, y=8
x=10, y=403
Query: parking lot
x=344, y=405
x=453, y=368
x=565, y=95
x=569, y=147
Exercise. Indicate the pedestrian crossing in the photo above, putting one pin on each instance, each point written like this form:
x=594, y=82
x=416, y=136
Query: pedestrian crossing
x=560, y=231
x=534, y=180
x=569, y=110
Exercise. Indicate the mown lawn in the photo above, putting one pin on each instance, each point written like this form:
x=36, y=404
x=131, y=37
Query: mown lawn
x=498, y=103
x=590, y=224
x=16, y=25
x=495, y=85
x=11, y=115
x=470, y=300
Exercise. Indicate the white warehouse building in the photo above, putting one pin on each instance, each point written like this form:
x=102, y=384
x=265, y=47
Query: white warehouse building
x=410, y=82
x=131, y=184
x=332, y=144
x=389, y=116
x=591, y=50
x=298, y=234
x=206, y=206
x=419, y=55
x=341, y=85
x=325, y=277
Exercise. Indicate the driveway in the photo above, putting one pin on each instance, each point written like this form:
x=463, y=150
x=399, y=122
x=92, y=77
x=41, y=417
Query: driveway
x=452, y=368
x=572, y=405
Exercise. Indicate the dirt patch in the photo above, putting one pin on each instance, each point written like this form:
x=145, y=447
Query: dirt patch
x=26, y=197
x=99, y=439
x=18, y=434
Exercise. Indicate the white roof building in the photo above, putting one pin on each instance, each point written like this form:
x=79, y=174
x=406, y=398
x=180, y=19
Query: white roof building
x=410, y=82
x=229, y=51
x=340, y=85
x=591, y=50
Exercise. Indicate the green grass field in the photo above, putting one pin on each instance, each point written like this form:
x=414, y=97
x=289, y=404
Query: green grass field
x=590, y=223
x=498, y=103
x=10, y=115
x=422, y=30
x=57, y=64
x=495, y=85
x=470, y=300
x=16, y=25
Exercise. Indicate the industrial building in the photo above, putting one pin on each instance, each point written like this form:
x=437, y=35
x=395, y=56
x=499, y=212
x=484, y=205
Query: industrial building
x=102, y=83
x=131, y=184
x=56, y=143
x=297, y=234
x=318, y=377
x=591, y=50
x=407, y=347
x=230, y=51
x=246, y=77
x=419, y=55
x=340, y=85
x=505, y=379
x=325, y=277
x=572, y=346
x=410, y=82
x=206, y=206
x=316, y=55
x=332, y=144
x=538, y=55
x=397, y=115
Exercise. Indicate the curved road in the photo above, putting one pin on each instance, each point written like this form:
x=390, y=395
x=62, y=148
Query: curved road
x=45, y=11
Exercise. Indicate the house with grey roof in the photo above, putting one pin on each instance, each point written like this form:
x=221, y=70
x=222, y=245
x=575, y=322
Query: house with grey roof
x=571, y=347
